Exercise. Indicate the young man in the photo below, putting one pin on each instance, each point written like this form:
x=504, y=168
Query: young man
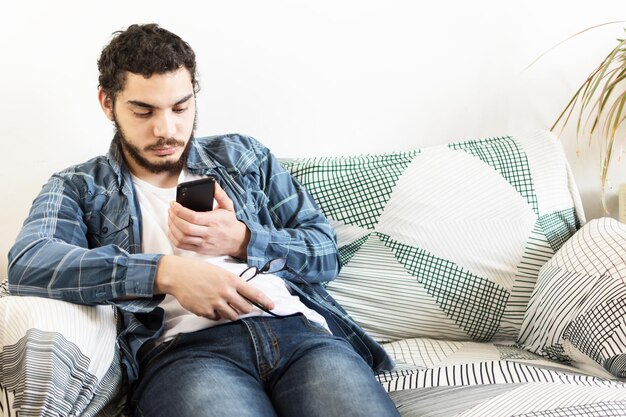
x=208, y=330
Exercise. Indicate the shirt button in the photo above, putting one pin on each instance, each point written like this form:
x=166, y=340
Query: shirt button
x=105, y=230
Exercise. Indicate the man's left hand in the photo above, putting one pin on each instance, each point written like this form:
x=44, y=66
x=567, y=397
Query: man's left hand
x=214, y=233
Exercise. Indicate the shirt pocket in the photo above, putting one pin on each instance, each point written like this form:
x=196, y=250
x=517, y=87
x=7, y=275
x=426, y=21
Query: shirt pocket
x=111, y=228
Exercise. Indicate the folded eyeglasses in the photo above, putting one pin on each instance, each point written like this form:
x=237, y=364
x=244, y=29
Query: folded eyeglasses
x=271, y=267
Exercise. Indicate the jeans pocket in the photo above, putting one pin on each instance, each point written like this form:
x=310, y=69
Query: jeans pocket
x=153, y=352
x=314, y=326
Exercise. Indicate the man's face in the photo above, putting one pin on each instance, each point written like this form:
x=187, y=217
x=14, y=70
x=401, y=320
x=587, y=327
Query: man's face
x=155, y=119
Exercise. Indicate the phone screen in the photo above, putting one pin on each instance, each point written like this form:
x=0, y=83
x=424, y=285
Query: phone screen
x=196, y=195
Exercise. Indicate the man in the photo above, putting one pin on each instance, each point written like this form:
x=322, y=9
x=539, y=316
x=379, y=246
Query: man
x=203, y=333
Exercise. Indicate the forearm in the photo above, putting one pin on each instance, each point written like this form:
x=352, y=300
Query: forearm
x=59, y=270
x=299, y=231
x=311, y=252
x=53, y=257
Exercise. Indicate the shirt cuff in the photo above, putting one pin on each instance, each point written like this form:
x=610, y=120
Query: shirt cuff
x=140, y=275
x=258, y=246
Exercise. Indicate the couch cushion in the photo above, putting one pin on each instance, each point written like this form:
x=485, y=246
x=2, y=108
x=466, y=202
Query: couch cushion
x=58, y=358
x=469, y=379
x=445, y=241
x=578, y=309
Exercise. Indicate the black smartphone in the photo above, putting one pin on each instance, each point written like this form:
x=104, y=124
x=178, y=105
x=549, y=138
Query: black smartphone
x=196, y=195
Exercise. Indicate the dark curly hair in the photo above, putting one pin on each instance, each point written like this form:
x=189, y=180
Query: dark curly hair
x=143, y=49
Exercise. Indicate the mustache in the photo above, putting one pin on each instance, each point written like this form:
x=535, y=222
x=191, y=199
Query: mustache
x=165, y=142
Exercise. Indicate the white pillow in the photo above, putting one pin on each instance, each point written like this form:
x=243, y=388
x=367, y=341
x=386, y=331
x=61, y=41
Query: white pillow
x=58, y=358
x=445, y=241
x=577, y=311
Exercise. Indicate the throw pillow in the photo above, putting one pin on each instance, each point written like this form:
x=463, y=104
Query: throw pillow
x=58, y=358
x=445, y=241
x=577, y=311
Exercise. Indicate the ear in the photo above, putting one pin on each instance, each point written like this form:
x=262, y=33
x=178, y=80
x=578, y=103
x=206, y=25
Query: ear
x=106, y=102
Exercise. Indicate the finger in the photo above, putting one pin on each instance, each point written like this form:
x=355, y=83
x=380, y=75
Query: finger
x=182, y=228
x=173, y=232
x=176, y=210
x=213, y=316
x=241, y=304
x=178, y=237
x=217, y=310
x=222, y=199
x=205, y=310
x=227, y=311
x=243, y=307
x=254, y=295
x=186, y=242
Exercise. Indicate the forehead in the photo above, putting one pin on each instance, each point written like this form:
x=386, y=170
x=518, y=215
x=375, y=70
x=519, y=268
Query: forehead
x=158, y=89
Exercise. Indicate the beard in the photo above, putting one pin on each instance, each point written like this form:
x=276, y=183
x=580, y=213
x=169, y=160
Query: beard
x=155, y=167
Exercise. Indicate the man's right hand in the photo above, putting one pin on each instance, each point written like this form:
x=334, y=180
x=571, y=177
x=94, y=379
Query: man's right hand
x=207, y=290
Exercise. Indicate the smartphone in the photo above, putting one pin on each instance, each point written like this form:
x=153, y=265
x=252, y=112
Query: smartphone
x=196, y=195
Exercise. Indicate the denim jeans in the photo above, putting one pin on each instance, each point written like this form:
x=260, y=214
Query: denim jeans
x=258, y=367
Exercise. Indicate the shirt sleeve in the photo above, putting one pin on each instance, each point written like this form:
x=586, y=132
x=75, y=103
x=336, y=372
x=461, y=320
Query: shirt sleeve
x=299, y=231
x=51, y=256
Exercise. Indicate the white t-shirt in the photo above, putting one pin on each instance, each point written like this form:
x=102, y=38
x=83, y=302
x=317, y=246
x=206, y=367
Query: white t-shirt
x=154, y=203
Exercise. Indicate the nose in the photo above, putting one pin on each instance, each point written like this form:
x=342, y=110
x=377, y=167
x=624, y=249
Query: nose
x=165, y=125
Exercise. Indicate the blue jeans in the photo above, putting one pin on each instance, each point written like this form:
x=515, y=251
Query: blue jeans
x=259, y=367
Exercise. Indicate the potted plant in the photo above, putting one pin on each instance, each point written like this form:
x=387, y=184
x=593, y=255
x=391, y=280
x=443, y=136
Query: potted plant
x=599, y=109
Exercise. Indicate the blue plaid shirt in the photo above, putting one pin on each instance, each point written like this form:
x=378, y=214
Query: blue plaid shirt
x=81, y=241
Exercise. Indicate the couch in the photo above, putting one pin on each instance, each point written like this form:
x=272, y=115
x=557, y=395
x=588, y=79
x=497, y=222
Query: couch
x=472, y=262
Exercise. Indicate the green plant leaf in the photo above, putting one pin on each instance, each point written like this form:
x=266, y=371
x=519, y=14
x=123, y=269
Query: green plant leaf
x=601, y=108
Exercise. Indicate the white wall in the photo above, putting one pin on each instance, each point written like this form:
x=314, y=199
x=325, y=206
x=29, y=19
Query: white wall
x=305, y=77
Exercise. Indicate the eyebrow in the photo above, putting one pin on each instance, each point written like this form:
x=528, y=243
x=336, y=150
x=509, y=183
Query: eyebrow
x=151, y=106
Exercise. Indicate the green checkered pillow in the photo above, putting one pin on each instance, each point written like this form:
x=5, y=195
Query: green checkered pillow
x=444, y=241
x=578, y=309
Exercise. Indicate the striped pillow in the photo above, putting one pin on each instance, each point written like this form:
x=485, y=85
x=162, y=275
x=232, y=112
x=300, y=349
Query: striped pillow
x=445, y=241
x=578, y=309
x=58, y=358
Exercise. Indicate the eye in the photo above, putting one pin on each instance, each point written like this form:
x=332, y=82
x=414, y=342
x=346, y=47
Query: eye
x=143, y=115
x=180, y=109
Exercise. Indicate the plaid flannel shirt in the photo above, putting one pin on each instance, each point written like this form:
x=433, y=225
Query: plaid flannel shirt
x=81, y=241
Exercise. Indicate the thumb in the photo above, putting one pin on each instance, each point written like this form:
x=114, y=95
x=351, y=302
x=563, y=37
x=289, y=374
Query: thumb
x=222, y=199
